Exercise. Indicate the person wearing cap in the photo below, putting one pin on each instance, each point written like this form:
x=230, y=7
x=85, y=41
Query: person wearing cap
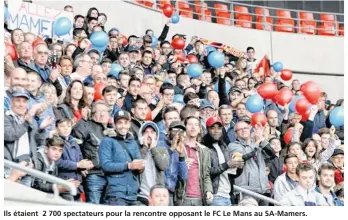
x=134, y=55
x=91, y=132
x=254, y=176
x=337, y=159
x=224, y=169
x=120, y=157
x=174, y=143
x=326, y=180
x=207, y=109
x=197, y=190
x=156, y=160
x=22, y=135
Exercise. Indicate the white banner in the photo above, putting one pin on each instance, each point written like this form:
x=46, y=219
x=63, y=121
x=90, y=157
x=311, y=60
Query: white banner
x=37, y=19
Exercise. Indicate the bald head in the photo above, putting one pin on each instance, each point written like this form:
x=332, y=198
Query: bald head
x=272, y=118
x=18, y=78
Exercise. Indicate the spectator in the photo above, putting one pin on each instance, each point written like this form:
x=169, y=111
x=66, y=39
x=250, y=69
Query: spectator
x=337, y=160
x=159, y=196
x=124, y=78
x=79, y=20
x=166, y=98
x=18, y=80
x=22, y=136
x=123, y=60
x=91, y=22
x=91, y=133
x=273, y=123
x=69, y=49
x=29, y=37
x=90, y=91
x=275, y=164
x=17, y=36
x=253, y=177
x=226, y=115
x=198, y=190
x=69, y=8
x=156, y=160
x=304, y=193
x=40, y=59
x=120, y=155
x=139, y=112
x=132, y=94
x=25, y=52
x=288, y=180
x=182, y=82
x=83, y=65
x=110, y=98
x=325, y=182
x=251, y=61
x=224, y=169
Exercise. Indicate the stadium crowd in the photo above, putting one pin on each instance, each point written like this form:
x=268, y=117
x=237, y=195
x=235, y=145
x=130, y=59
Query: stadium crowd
x=153, y=135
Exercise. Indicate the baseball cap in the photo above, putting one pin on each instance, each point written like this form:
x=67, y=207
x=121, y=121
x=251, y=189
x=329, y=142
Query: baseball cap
x=337, y=152
x=122, y=115
x=245, y=119
x=133, y=49
x=213, y=120
x=149, y=124
x=20, y=93
x=177, y=124
x=235, y=89
x=206, y=104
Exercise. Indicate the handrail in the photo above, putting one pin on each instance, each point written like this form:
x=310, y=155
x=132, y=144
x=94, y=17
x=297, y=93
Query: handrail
x=256, y=195
x=41, y=175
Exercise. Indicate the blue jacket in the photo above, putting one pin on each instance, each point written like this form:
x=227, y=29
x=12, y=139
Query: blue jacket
x=177, y=168
x=67, y=164
x=336, y=200
x=319, y=121
x=128, y=102
x=122, y=182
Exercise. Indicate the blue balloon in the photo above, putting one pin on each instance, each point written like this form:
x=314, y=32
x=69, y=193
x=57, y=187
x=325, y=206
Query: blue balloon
x=227, y=87
x=62, y=26
x=178, y=98
x=254, y=103
x=210, y=49
x=100, y=49
x=154, y=41
x=115, y=69
x=337, y=116
x=5, y=13
x=216, y=59
x=293, y=103
x=278, y=66
x=175, y=18
x=194, y=70
x=99, y=39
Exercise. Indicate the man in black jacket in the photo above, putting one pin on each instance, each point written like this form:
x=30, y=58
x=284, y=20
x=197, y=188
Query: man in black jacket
x=91, y=133
x=223, y=169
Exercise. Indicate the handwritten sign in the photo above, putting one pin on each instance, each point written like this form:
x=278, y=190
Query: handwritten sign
x=37, y=19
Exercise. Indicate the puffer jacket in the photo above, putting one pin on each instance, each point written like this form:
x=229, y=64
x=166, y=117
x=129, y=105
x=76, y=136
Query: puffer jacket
x=177, y=169
x=156, y=159
x=254, y=176
x=46, y=167
x=204, y=178
x=216, y=168
x=91, y=134
x=122, y=182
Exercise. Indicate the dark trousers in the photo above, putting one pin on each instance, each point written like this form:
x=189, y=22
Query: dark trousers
x=120, y=202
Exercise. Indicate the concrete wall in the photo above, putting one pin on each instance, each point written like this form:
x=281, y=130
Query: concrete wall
x=302, y=53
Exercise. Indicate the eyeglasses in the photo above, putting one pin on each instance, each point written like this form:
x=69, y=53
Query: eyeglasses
x=240, y=129
x=42, y=53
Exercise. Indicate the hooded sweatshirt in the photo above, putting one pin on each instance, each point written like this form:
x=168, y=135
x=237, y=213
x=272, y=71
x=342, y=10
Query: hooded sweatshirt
x=156, y=161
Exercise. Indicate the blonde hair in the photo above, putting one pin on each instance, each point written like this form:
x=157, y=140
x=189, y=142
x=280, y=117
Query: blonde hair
x=49, y=87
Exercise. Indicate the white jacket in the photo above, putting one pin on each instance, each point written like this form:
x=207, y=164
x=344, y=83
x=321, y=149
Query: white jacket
x=299, y=196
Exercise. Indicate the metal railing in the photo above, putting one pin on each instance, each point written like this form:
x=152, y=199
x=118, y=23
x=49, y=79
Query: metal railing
x=41, y=175
x=297, y=27
x=255, y=195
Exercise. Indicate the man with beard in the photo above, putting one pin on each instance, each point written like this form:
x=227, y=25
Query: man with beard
x=326, y=180
x=18, y=79
x=223, y=169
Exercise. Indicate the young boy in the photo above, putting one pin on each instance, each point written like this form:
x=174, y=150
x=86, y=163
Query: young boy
x=276, y=164
x=71, y=164
x=47, y=158
x=110, y=96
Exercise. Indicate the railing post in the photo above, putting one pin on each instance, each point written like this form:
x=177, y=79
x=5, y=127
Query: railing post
x=202, y=10
x=154, y=5
x=263, y=19
x=232, y=12
x=298, y=22
x=177, y=6
x=336, y=25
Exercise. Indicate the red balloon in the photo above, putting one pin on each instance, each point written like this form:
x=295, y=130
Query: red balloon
x=98, y=91
x=286, y=74
x=192, y=58
x=11, y=50
x=288, y=135
x=258, y=118
x=178, y=43
x=312, y=92
x=305, y=116
x=267, y=90
x=168, y=10
x=284, y=96
x=301, y=105
x=125, y=40
x=148, y=115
